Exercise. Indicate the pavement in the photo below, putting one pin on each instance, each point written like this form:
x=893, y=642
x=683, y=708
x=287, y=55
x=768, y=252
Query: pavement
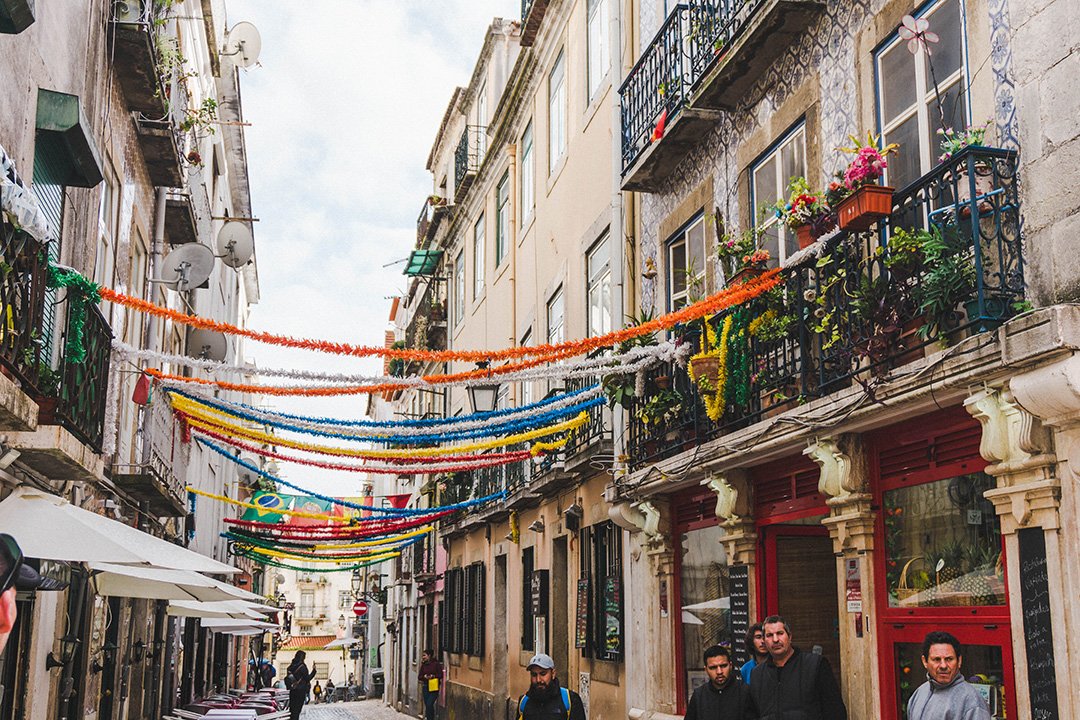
x=362, y=710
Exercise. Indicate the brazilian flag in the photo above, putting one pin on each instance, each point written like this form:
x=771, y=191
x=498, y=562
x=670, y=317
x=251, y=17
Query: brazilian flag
x=271, y=507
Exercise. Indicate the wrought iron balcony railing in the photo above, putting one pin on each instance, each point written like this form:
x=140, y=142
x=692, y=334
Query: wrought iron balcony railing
x=532, y=15
x=468, y=158
x=158, y=480
x=22, y=302
x=427, y=324
x=946, y=264
x=431, y=214
x=597, y=430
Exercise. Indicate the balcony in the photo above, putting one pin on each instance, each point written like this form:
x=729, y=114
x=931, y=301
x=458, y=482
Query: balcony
x=705, y=58
x=869, y=305
x=427, y=326
x=22, y=298
x=431, y=215
x=467, y=159
x=532, y=15
x=180, y=224
x=135, y=27
x=71, y=416
x=595, y=436
x=158, y=480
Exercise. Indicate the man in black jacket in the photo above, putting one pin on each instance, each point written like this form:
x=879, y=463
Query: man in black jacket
x=546, y=700
x=724, y=697
x=792, y=684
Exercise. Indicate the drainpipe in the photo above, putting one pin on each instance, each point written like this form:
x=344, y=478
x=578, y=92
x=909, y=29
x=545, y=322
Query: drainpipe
x=150, y=335
x=511, y=151
x=617, y=232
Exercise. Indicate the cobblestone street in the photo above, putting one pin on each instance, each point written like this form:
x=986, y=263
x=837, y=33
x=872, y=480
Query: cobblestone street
x=362, y=710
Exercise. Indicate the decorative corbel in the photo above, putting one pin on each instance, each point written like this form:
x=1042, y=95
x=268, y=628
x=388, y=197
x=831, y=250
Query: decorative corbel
x=835, y=479
x=726, y=498
x=986, y=406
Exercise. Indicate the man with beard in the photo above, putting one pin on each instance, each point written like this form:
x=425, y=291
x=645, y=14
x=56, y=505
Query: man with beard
x=724, y=697
x=792, y=684
x=547, y=699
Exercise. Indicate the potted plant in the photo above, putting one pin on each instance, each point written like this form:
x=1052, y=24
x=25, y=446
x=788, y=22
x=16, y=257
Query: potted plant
x=620, y=387
x=805, y=211
x=740, y=257
x=948, y=282
x=953, y=142
x=859, y=200
x=662, y=408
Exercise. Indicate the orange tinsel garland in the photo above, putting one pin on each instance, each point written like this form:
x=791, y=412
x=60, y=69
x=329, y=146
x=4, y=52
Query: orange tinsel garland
x=726, y=298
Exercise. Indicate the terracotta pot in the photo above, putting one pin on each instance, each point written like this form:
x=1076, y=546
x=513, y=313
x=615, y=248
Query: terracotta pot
x=864, y=207
x=744, y=276
x=805, y=236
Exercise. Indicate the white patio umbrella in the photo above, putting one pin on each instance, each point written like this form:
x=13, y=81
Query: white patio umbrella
x=50, y=528
x=236, y=609
x=723, y=603
x=218, y=623
x=341, y=643
x=689, y=618
x=151, y=583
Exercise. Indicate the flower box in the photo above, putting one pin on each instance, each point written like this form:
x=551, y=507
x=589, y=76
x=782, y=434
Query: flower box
x=805, y=236
x=864, y=207
x=744, y=276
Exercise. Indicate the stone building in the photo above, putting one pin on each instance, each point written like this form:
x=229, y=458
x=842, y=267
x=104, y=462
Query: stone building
x=122, y=142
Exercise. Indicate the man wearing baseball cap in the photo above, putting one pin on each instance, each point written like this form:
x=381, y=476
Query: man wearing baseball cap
x=547, y=699
x=16, y=575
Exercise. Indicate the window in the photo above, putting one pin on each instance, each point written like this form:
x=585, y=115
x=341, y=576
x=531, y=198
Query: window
x=598, y=287
x=556, y=333
x=528, y=175
x=598, y=54
x=686, y=264
x=907, y=104
x=344, y=599
x=104, y=268
x=600, y=587
x=459, y=287
x=502, y=219
x=526, y=385
x=527, y=640
x=473, y=610
x=322, y=670
x=478, y=258
x=770, y=177
x=557, y=112
x=703, y=576
x=307, y=604
x=481, y=122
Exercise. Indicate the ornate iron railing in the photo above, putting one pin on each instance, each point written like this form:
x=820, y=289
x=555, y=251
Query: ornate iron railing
x=80, y=405
x=526, y=5
x=660, y=80
x=869, y=304
x=22, y=302
x=597, y=430
x=468, y=156
x=428, y=221
x=427, y=325
x=714, y=25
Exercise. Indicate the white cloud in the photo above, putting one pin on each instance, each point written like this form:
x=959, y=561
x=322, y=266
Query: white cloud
x=344, y=109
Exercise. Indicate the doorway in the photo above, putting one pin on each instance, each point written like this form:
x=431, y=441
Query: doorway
x=799, y=577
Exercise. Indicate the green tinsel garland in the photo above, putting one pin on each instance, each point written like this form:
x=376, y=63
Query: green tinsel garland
x=267, y=561
x=81, y=294
x=737, y=388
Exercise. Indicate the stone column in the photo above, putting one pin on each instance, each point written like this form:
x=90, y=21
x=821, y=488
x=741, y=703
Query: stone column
x=1022, y=426
x=732, y=488
x=844, y=481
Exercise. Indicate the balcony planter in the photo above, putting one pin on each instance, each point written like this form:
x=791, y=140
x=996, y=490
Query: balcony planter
x=860, y=210
x=805, y=236
x=706, y=372
x=997, y=311
x=745, y=275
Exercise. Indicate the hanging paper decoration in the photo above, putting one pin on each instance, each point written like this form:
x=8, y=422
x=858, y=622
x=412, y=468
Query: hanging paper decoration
x=141, y=396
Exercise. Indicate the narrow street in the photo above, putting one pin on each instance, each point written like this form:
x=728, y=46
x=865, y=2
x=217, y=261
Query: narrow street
x=362, y=710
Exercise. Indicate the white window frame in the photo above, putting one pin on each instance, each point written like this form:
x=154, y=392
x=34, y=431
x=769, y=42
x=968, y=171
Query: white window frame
x=481, y=121
x=924, y=106
x=528, y=174
x=767, y=222
x=459, y=287
x=478, y=249
x=502, y=219
x=556, y=317
x=597, y=50
x=598, y=287
x=526, y=385
x=680, y=299
x=557, y=112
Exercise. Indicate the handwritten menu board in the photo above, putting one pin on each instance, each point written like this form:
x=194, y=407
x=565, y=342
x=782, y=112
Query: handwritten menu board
x=581, y=626
x=1038, y=631
x=739, y=592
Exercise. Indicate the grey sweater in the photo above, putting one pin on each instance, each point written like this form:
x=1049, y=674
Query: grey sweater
x=955, y=701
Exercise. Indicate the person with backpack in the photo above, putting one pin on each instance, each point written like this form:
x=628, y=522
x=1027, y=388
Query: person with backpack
x=298, y=681
x=792, y=684
x=317, y=692
x=546, y=698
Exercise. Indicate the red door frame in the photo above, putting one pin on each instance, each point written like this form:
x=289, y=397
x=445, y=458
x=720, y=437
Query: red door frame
x=980, y=625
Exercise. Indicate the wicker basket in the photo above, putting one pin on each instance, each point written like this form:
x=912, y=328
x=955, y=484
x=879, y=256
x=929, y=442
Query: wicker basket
x=903, y=590
x=706, y=372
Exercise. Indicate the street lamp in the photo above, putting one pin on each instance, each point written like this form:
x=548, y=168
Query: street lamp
x=357, y=582
x=484, y=395
x=68, y=646
x=341, y=622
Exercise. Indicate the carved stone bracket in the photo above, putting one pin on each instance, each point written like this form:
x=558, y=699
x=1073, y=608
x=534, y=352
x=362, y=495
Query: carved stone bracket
x=837, y=479
x=733, y=510
x=851, y=523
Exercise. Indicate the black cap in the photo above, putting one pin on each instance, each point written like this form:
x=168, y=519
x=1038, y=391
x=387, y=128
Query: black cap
x=29, y=579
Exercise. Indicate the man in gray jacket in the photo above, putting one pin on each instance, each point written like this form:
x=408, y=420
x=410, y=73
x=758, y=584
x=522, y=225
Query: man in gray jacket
x=945, y=695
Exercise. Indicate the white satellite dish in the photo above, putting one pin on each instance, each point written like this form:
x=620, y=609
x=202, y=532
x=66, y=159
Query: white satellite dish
x=207, y=345
x=243, y=44
x=235, y=243
x=187, y=267
x=250, y=477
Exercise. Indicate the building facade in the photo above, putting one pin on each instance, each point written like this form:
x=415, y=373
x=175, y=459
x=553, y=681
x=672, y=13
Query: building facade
x=122, y=142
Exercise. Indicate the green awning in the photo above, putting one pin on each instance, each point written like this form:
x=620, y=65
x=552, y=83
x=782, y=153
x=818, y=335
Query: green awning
x=423, y=262
x=16, y=16
x=61, y=114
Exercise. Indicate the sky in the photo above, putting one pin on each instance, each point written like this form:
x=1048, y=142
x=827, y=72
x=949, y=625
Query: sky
x=344, y=106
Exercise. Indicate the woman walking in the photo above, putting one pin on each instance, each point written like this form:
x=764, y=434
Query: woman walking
x=298, y=680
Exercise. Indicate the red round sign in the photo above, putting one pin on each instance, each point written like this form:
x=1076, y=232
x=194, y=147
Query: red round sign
x=359, y=608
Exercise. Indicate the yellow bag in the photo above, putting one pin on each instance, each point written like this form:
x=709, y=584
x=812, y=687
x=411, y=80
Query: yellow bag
x=433, y=684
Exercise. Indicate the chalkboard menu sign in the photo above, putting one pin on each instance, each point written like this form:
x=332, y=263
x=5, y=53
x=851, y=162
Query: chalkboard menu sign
x=1038, y=632
x=581, y=626
x=739, y=594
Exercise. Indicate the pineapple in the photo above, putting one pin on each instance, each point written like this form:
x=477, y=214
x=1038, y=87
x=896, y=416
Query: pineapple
x=945, y=565
x=982, y=559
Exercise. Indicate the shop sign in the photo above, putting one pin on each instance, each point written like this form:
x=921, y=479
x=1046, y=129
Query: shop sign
x=739, y=595
x=1038, y=631
x=853, y=584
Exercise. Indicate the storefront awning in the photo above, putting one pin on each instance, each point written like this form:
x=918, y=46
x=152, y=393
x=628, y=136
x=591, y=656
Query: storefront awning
x=423, y=262
x=151, y=583
x=341, y=643
x=16, y=16
x=50, y=528
x=241, y=594
x=226, y=623
x=235, y=609
x=60, y=114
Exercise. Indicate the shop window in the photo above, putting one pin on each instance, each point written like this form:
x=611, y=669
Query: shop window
x=943, y=544
x=599, y=631
x=704, y=599
x=983, y=667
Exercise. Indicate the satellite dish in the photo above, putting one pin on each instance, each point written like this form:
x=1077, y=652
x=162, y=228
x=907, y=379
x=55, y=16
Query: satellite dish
x=235, y=243
x=243, y=44
x=250, y=477
x=207, y=345
x=187, y=267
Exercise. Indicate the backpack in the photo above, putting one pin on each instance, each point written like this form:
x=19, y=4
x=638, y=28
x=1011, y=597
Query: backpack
x=565, y=701
x=290, y=681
